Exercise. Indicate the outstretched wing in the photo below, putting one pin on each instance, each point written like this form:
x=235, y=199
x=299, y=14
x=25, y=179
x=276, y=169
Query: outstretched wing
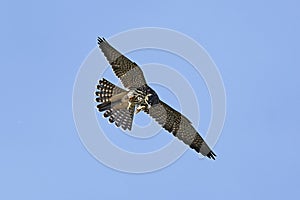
x=129, y=72
x=179, y=126
x=121, y=116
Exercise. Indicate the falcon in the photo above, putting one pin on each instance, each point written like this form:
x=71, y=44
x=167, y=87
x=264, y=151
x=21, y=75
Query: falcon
x=120, y=105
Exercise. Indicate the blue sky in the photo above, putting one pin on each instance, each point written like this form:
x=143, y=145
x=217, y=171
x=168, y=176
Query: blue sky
x=255, y=46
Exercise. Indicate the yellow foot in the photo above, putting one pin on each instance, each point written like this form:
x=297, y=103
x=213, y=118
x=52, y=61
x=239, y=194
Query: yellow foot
x=129, y=105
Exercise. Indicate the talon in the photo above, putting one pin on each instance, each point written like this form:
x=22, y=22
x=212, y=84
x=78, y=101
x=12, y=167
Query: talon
x=139, y=109
x=129, y=105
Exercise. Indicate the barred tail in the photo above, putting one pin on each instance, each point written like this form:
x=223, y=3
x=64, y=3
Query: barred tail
x=109, y=96
x=105, y=90
x=104, y=106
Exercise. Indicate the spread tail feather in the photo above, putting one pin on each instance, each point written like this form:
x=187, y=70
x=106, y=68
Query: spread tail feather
x=104, y=106
x=109, y=96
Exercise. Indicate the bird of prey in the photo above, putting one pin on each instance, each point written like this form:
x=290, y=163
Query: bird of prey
x=119, y=105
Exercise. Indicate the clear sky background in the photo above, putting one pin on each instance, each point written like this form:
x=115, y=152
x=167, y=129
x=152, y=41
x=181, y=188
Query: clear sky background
x=255, y=45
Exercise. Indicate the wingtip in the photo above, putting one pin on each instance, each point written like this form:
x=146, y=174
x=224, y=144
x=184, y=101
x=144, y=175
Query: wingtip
x=211, y=155
x=100, y=40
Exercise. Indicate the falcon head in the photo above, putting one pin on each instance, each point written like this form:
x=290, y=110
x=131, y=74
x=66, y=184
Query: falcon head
x=146, y=97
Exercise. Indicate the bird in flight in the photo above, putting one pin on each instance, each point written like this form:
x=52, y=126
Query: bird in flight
x=120, y=105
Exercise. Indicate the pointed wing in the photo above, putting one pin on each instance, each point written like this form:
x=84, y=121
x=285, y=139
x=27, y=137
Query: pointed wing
x=129, y=72
x=121, y=116
x=180, y=126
